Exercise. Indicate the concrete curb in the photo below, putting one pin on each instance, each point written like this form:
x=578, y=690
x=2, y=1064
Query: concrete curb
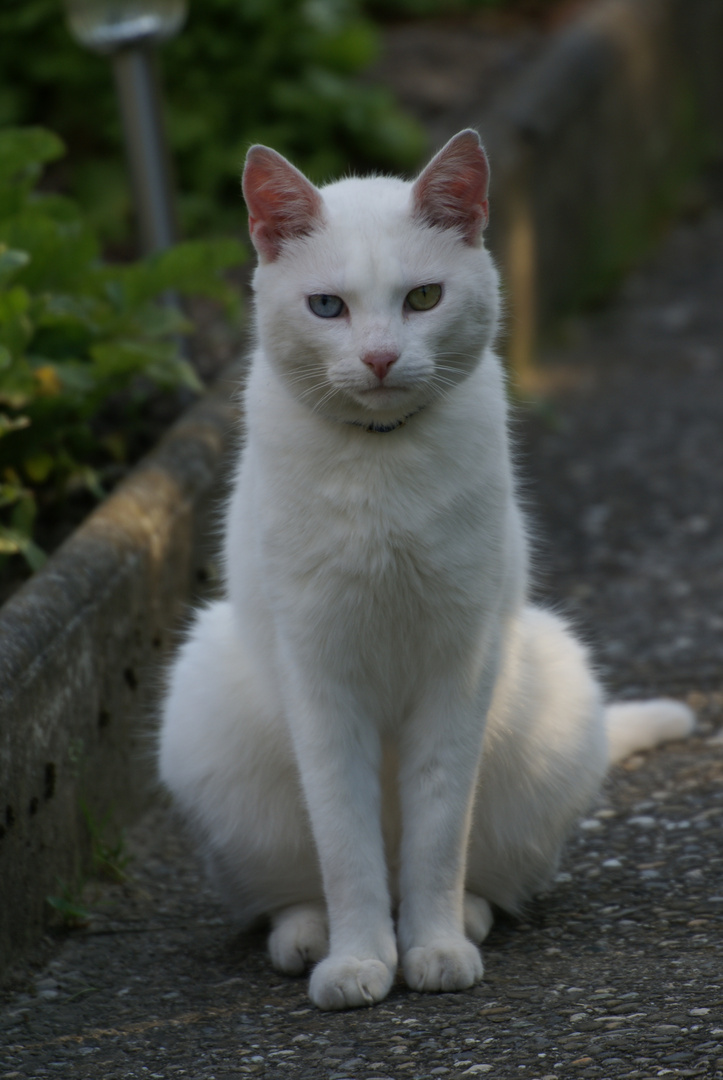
x=586, y=132
x=80, y=646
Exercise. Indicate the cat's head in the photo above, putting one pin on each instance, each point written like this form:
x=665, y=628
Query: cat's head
x=375, y=296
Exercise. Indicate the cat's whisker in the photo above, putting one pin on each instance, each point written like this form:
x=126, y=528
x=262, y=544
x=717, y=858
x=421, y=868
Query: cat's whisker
x=443, y=390
x=306, y=393
x=323, y=401
x=441, y=380
x=301, y=377
x=443, y=361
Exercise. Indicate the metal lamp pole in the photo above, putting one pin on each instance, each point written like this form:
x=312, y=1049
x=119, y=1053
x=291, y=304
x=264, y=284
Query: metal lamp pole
x=127, y=31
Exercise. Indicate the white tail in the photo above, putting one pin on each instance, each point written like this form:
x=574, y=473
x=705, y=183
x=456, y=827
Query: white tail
x=641, y=725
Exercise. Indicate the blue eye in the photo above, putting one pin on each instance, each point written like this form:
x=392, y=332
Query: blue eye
x=326, y=307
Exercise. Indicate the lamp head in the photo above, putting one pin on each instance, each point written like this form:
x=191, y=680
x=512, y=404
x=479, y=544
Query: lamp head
x=107, y=25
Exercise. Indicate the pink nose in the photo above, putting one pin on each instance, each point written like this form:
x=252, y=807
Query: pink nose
x=380, y=362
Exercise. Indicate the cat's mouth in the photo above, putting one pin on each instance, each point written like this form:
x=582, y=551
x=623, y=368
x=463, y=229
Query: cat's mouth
x=382, y=394
x=381, y=403
x=386, y=401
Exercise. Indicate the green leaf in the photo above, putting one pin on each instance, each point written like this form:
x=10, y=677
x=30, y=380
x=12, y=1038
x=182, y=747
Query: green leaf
x=10, y=493
x=25, y=150
x=13, y=542
x=12, y=423
x=34, y=555
x=162, y=320
x=17, y=386
x=38, y=468
x=353, y=48
x=78, y=379
x=126, y=358
x=90, y=479
x=10, y=262
x=174, y=371
x=23, y=515
x=73, y=913
x=56, y=207
x=16, y=328
x=60, y=251
x=194, y=267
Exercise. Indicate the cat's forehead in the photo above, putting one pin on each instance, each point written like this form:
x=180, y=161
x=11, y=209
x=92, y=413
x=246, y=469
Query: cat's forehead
x=359, y=210
x=366, y=193
x=370, y=231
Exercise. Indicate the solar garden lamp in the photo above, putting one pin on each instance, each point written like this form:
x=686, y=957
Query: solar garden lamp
x=127, y=31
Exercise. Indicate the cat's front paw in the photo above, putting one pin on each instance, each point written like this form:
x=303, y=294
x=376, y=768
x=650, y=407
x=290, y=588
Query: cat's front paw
x=447, y=964
x=347, y=982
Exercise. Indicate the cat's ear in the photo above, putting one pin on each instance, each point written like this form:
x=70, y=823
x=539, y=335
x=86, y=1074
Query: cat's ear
x=282, y=203
x=452, y=191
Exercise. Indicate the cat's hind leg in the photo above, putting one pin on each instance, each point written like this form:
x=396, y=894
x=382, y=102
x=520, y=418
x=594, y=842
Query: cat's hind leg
x=299, y=937
x=226, y=756
x=549, y=742
x=478, y=918
x=544, y=758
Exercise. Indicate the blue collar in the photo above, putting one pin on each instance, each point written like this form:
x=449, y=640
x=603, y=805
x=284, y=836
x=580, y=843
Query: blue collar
x=383, y=429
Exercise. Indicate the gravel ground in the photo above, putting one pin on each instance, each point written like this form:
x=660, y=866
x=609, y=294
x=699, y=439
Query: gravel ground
x=626, y=466
x=618, y=971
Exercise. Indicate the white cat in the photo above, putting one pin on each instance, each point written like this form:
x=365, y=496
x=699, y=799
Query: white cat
x=375, y=735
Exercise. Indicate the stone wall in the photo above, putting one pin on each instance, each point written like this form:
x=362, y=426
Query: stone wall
x=80, y=651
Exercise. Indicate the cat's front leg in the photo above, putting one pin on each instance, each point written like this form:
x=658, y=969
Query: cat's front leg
x=440, y=759
x=338, y=751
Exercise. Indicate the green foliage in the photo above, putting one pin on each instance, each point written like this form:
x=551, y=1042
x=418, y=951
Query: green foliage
x=67, y=904
x=108, y=852
x=276, y=71
x=109, y=860
x=396, y=9
x=420, y=8
x=75, y=331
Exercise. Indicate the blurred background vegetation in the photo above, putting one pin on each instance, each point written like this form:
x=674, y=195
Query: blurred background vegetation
x=85, y=345
x=283, y=72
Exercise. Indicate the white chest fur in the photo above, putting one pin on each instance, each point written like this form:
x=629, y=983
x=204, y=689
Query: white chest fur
x=382, y=557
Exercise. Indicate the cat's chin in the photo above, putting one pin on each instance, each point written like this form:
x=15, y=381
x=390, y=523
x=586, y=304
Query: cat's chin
x=386, y=402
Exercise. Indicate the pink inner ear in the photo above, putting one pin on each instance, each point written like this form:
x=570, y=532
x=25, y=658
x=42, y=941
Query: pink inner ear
x=281, y=202
x=452, y=191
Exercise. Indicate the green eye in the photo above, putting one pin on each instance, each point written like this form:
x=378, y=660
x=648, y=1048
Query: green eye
x=424, y=297
x=326, y=307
